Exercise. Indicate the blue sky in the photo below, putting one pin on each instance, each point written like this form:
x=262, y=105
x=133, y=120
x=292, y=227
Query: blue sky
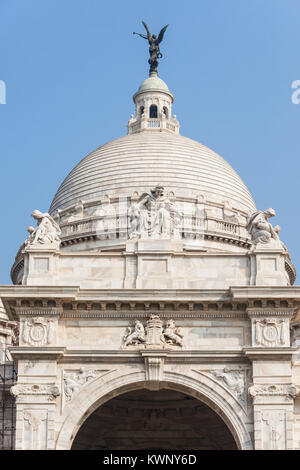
x=71, y=68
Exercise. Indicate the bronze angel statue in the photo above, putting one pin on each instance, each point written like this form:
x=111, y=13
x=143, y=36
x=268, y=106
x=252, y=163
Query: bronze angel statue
x=154, y=50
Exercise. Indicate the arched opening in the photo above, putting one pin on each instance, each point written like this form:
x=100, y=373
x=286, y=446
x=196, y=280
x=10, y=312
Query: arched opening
x=142, y=109
x=146, y=419
x=153, y=111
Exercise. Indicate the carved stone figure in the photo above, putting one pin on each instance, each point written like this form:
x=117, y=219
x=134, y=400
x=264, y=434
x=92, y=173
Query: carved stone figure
x=172, y=334
x=77, y=212
x=259, y=227
x=229, y=215
x=135, y=336
x=233, y=379
x=154, y=50
x=273, y=429
x=73, y=381
x=31, y=231
x=46, y=233
x=139, y=220
x=153, y=215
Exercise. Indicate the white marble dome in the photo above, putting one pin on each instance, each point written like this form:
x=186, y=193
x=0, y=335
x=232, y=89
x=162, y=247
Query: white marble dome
x=153, y=83
x=140, y=161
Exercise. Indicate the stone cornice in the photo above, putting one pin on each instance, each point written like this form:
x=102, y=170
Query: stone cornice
x=74, y=302
x=276, y=353
x=255, y=292
x=171, y=356
x=65, y=355
x=47, y=352
x=234, y=293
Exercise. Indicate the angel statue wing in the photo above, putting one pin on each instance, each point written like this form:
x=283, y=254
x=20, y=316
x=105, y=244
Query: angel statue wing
x=147, y=29
x=161, y=34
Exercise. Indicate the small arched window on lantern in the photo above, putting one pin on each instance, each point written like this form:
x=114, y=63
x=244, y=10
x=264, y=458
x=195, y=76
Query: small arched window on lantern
x=153, y=111
x=142, y=109
x=166, y=112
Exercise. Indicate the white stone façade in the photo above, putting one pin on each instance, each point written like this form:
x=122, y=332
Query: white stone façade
x=154, y=270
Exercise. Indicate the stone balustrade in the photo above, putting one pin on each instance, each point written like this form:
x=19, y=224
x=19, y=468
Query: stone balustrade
x=116, y=224
x=161, y=123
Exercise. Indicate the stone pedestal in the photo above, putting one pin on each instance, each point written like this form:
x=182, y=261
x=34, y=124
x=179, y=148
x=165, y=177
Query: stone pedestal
x=40, y=265
x=154, y=267
x=268, y=265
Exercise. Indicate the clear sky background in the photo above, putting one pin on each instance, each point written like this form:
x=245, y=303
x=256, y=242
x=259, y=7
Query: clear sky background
x=72, y=66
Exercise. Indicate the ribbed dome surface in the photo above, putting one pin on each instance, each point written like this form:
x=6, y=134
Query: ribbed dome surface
x=153, y=83
x=140, y=161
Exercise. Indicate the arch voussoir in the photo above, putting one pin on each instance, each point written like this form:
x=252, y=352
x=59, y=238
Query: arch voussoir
x=103, y=389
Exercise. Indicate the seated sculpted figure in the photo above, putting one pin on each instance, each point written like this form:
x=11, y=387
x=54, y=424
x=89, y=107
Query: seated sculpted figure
x=47, y=231
x=259, y=227
x=136, y=336
x=153, y=214
x=172, y=334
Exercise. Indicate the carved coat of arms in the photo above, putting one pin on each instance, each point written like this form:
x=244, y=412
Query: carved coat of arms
x=154, y=335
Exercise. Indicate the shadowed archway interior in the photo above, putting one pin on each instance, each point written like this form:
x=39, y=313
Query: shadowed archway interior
x=144, y=419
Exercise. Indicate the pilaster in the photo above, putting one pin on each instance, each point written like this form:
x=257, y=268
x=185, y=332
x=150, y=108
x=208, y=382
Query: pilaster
x=272, y=389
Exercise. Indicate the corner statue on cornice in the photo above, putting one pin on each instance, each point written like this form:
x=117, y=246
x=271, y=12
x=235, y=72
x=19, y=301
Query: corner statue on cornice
x=154, y=50
x=46, y=233
x=260, y=229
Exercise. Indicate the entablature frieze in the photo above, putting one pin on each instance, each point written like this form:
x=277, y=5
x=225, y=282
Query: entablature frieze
x=37, y=311
x=42, y=352
x=275, y=312
x=73, y=302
